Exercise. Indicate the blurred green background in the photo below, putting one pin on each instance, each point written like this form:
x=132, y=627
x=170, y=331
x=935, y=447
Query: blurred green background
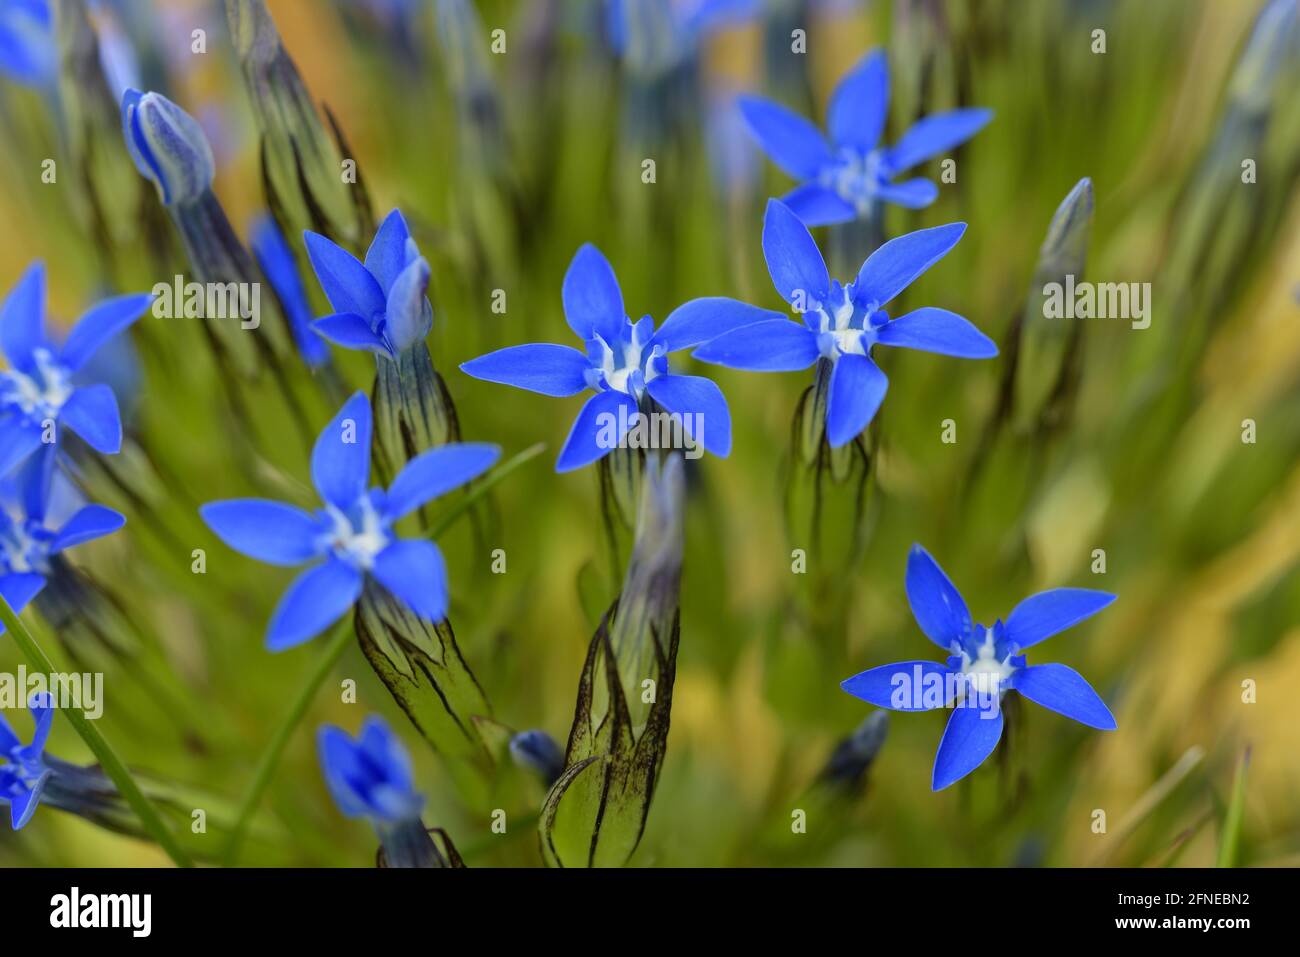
x=504, y=164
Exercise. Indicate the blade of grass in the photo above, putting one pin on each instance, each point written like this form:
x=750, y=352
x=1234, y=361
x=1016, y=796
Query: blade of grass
x=1230, y=839
x=98, y=744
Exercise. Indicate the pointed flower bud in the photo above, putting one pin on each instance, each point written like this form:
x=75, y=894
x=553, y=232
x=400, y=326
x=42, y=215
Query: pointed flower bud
x=537, y=752
x=168, y=147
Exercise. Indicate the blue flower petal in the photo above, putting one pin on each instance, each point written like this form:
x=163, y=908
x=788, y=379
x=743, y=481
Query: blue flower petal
x=388, y=252
x=935, y=134
x=701, y=320
x=691, y=396
x=315, y=600
x=343, y=770
x=860, y=104
x=437, y=472
x=19, y=588
x=585, y=443
x=89, y=523
x=937, y=330
x=19, y=438
x=41, y=705
x=91, y=412
x=896, y=264
x=915, y=193
x=969, y=738
x=23, y=805
x=271, y=532
x=818, y=206
x=857, y=389
x=22, y=318
x=593, y=302
x=793, y=259
x=1041, y=616
x=340, y=462
x=348, y=285
x=777, y=345
x=936, y=604
x=351, y=331
x=409, y=315
x=99, y=324
x=1063, y=690
x=538, y=367
x=414, y=571
x=792, y=142
x=903, y=686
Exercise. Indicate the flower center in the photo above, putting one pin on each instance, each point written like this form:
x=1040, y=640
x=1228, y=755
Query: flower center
x=856, y=177
x=843, y=326
x=985, y=673
x=24, y=547
x=357, y=536
x=626, y=365
x=40, y=394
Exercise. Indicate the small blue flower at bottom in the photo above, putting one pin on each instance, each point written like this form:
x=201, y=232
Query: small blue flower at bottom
x=353, y=533
x=624, y=361
x=984, y=664
x=842, y=324
x=370, y=776
x=23, y=775
x=42, y=385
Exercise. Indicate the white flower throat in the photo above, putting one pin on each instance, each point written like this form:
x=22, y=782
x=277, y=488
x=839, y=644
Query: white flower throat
x=985, y=673
x=359, y=537
x=42, y=393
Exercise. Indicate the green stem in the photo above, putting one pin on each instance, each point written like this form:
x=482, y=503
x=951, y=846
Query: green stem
x=99, y=746
x=270, y=759
x=482, y=487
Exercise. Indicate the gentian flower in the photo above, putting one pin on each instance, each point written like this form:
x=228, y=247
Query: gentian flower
x=38, y=388
x=984, y=663
x=27, y=50
x=380, y=306
x=654, y=36
x=276, y=259
x=369, y=776
x=624, y=362
x=23, y=774
x=168, y=147
x=845, y=178
x=842, y=324
x=27, y=540
x=353, y=534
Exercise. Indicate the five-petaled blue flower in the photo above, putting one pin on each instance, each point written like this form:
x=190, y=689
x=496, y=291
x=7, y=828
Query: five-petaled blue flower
x=23, y=775
x=844, y=179
x=984, y=664
x=370, y=776
x=624, y=361
x=353, y=533
x=380, y=306
x=842, y=323
x=38, y=389
x=27, y=540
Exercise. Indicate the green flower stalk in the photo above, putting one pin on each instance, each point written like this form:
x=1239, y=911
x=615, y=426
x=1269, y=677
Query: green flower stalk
x=596, y=812
x=310, y=175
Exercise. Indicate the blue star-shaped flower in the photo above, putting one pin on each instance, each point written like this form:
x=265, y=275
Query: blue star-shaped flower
x=984, y=664
x=369, y=776
x=843, y=180
x=624, y=362
x=40, y=386
x=353, y=533
x=23, y=775
x=843, y=323
x=380, y=305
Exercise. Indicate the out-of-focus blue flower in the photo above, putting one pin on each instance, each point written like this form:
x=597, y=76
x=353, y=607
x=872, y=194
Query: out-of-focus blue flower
x=844, y=178
x=984, y=664
x=27, y=53
x=538, y=752
x=843, y=323
x=38, y=388
x=370, y=776
x=31, y=534
x=168, y=147
x=280, y=267
x=380, y=306
x=23, y=774
x=624, y=361
x=654, y=36
x=353, y=533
